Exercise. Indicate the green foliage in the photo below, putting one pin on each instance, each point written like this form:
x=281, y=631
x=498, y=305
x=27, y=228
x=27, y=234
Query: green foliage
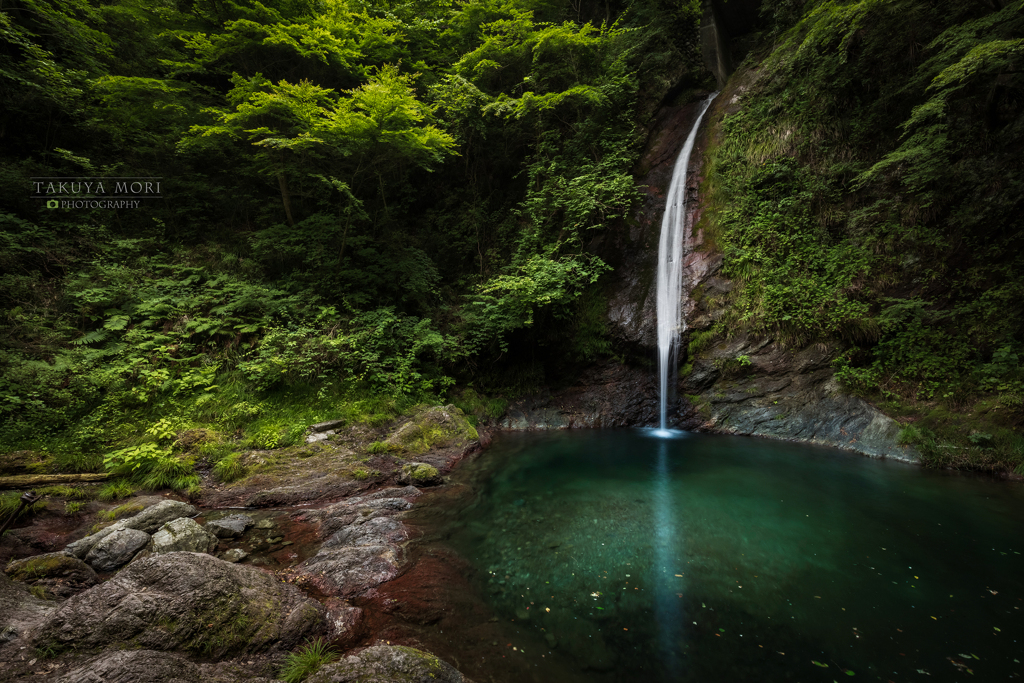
x=11, y=501
x=229, y=468
x=862, y=195
x=364, y=203
x=378, y=447
x=307, y=661
x=114, y=490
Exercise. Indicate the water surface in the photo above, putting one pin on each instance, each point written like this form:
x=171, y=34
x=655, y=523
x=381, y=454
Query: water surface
x=623, y=556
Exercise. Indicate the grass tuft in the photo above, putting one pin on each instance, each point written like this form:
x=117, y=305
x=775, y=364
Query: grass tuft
x=307, y=661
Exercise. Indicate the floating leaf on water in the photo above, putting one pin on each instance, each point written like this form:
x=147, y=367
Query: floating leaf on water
x=721, y=630
x=817, y=663
x=849, y=673
x=1000, y=630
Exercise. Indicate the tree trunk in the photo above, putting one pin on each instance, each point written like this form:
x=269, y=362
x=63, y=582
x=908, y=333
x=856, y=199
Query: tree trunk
x=21, y=481
x=285, y=197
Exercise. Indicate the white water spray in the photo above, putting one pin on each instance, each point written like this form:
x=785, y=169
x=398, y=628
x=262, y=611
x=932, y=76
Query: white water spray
x=675, y=244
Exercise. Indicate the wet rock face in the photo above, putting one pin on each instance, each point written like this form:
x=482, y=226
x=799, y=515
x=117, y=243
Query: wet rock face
x=755, y=386
x=389, y=664
x=60, y=575
x=182, y=535
x=117, y=549
x=185, y=601
x=632, y=247
x=607, y=395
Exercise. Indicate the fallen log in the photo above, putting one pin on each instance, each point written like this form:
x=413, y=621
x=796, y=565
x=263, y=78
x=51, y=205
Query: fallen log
x=22, y=481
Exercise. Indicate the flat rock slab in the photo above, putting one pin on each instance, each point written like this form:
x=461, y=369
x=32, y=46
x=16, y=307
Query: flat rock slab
x=182, y=534
x=149, y=520
x=117, y=549
x=185, y=601
x=389, y=664
x=348, y=571
x=62, y=576
x=231, y=526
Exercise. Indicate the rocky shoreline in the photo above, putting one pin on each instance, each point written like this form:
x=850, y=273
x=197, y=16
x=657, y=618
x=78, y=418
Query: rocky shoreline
x=172, y=591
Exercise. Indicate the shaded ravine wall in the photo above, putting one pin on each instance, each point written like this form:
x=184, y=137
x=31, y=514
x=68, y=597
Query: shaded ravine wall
x=783, y=393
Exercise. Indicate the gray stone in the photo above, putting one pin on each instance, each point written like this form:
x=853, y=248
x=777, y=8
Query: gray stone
x=182, y=535
x=186, y=601
x=117, y=549
x=60, y=575
x=371, y=531
x=149, y=520
x=134, y=666
x=348, y=571
x=389, y=664
x=234, y=555
x=155, y=516
x=231, y=526
x=20, y=611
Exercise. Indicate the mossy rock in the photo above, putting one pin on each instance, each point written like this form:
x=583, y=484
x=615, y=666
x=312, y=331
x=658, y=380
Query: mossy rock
x=389, y=664
x=56, y=574
x=430, y=428
x=419, y=474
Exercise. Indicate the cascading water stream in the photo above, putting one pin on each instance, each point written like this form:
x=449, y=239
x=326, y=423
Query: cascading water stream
x=674, y=244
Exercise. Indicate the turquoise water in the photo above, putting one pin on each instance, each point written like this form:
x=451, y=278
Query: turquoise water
x=621, y=556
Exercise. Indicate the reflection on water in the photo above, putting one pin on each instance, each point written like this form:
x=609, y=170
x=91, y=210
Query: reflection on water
x=627, y=556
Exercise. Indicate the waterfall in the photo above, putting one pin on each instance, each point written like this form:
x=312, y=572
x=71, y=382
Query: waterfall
x=673, y=246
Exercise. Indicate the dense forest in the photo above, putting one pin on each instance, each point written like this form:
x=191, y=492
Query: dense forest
x=367, y=205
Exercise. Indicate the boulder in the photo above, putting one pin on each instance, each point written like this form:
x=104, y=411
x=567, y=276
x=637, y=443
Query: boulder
x=182, y=534
x=419, y=474
x=116, y=549
x=185, y=601
x=363, y=543
x=149, y=520
x=369, y=531
x=389, y=664
x=132, y=666
x=60, y=575
x=154, y=666
x=349, y=571
x=231, y=526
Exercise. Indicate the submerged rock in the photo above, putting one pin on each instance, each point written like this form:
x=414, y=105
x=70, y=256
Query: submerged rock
x=186, y=601
x=234, y=555
x=117, y=549
x=389, y=664
x=182, y=535
x=231, y=526
x=59, y=574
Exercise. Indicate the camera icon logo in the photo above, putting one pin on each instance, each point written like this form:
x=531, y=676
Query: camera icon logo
x=52, y=204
